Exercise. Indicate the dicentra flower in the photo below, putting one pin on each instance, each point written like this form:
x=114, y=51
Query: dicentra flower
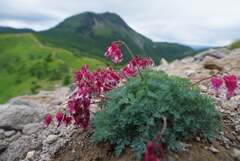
x=59, y=118
x=231, y=84
x=47, y=120
x=216, y=85
x=114, y=53
x=129, y=71
x=67, y=120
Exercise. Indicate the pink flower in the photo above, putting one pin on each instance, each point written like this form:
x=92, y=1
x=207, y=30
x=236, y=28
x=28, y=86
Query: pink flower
x=59, y=118
x=216, y=85
x=129, y=71
x=153, y=151
x=114, y=53
x=86, y=103
x=47, y=120
x=141, y=62
x=150, y=62
x=67, y=120
x=231, y=84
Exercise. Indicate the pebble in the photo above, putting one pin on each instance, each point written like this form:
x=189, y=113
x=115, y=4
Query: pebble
x=237, y=97
x=9, y=134
x=30, y=155
x=236, y=154
x=198, y=139
x=203, y=88
x=238, y=139
x=189, y=73
x=213, y=149
x=50, y=139
x=227, y=146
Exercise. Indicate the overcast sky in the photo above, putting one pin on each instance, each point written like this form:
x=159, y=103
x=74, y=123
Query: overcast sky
x=193, y=22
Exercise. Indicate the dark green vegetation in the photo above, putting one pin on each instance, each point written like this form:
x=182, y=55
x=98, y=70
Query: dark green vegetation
x=13, y=30
x=234, y=45
x=133, y=115
x=91, y=33
x=27, y=65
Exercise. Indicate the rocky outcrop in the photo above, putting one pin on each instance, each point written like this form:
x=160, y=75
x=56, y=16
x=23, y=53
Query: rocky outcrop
x=216, y=53
x=15, y=117
x=32, y=128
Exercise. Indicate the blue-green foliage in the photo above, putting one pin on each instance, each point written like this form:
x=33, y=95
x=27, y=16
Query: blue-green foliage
x=134, y=115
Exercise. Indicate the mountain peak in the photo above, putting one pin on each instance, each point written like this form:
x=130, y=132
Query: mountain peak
x=87, y=22
x=92, y=32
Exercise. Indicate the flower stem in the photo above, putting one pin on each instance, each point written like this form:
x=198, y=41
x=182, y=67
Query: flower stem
x=160, y=134
x=214, y=75
x=121, y=42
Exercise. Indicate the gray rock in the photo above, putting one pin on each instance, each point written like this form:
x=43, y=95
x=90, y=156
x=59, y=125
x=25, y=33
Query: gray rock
x=56, y=102
x=14, y=137
x=2, y=134
x=216, y=53
x=14, y=117
x=18, y=101
x=32, y=128
x=18, y=149
x=9, y=134
x=55, y=131
x=3, y=146
x=236, y=154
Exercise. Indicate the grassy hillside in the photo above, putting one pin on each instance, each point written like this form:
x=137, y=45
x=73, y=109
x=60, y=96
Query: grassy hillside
x=27, y=65
x=91, y=33
x=234, y=45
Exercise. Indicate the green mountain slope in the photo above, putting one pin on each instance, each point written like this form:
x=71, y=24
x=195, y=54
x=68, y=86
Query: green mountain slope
x=234, y=45
x=27, y=65
x=91, y=33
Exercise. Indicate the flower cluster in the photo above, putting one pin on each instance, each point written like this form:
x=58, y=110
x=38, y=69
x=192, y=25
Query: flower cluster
x=94, y=86
x=230, y=82
x=134, y=65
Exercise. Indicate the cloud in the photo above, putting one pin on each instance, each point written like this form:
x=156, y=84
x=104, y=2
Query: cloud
x=204, y=22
